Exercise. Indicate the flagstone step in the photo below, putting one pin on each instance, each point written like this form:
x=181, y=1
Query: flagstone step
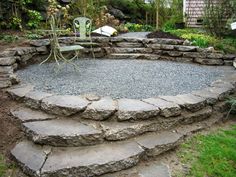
x=134, y=56
x=62, y=132
x=131, y=50
x=89, y=161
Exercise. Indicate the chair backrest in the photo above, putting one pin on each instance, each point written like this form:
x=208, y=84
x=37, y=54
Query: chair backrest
x=82, y=25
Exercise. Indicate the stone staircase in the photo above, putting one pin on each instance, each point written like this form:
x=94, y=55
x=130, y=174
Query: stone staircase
x=86, y=136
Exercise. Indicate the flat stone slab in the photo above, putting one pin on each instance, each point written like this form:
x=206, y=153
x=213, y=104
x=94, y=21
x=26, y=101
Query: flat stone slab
x=152, y=169
x=28, y=115
x=168, y=109
x=92, y=161
x=20, y=91
x=100, y=110
x=188, y=101
x=222, y=92
x=211, y=97
x=129, y=44
x=63, y=132
x=30, y=156
x=155, y=144
x=134, y=56
x=132, y=50
x=7, y=61
x=33, y=98
x=135, y=109
x=64, y=105
x=125, y=130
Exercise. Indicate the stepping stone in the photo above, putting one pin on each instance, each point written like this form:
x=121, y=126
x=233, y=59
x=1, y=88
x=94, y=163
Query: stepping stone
x=30, y=157
x=188, y=101
x=20, y=91
x=134, y=56
x=155, y=144
x=92, y=161
x=28, y=115
x=152, y=169
x=197, y=116
x=63, y=132
x=125, y=130
x=168, y=109
x=135, y=109
x=100, y=110
x=33, y=98
x=64, y=105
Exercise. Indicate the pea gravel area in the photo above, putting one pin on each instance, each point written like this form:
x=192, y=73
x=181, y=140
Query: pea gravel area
x=122, y=78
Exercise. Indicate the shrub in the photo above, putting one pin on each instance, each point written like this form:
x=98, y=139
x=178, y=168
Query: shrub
x=138, y=27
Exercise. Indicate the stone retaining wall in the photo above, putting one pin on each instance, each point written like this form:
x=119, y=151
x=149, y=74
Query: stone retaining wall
x=115, y=48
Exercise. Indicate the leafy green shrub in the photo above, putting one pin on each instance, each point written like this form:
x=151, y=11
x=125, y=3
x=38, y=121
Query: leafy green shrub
x=34, y=19
x=138, y=27
x=9, y=38
x=169, y=25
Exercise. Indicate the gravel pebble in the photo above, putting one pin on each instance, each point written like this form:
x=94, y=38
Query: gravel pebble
x=122, y=78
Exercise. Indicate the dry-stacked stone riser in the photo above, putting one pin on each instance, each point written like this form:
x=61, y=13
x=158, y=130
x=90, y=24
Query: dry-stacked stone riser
x=114, y=48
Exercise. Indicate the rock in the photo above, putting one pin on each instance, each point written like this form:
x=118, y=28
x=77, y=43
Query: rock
x=6, y=70
x=62, y=132
x=42, y=50
x=23, y=50
x=228, y=62
x=182, y=59
x=134, y=56
x=14, y=79
x=174, y=53
x=187, y=43
x=168, y=109
x=188, y=101
x=167, y=47
x=135, y=109
x=25, y=58
x=209, y=61
x=116, y=13
x=154, y=46
x=7, y=61
x=215, y=55
x=91, y=97
x=92, y=161
x=129, y=44
x=40, y=42
x=222, y=107
x=229, y=57
x=27, y=115
x=33, y=98
x=184, y=48
x=124, y=130
x=7, y=53
x=64, y=105
x=100, y=110
x=197, y=116
x=155, y=144
x=30, y=157
x=132, y=50
x=197, y=55
x=19, y=92
x=222, y=92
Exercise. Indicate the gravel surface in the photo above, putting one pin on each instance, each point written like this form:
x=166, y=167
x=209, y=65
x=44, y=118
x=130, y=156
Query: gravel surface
x=135, y=34
x=122, y=78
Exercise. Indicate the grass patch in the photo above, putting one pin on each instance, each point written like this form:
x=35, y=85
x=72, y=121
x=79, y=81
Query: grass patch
x=211, y=155
x=3, y=166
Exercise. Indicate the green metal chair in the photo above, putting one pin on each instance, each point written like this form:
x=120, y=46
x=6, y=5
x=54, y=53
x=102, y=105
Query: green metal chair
x=57, y=50
x=82, y=29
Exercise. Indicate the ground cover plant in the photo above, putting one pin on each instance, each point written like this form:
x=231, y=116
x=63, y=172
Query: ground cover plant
x=3, y=167
x=211, y=155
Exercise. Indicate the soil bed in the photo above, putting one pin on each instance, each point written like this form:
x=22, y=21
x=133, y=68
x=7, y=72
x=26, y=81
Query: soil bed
x=122, y=78
x=161, y=34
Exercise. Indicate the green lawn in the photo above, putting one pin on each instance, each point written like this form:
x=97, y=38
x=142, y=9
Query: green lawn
x=3, y=167
x=212, y=155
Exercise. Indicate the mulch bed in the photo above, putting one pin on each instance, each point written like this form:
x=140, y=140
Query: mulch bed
x=162, y=34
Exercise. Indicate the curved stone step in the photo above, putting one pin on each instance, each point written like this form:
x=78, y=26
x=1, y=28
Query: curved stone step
x=129, y=44
x=62, y=132
x=134, y=56
x=24, y=114
x=46, y=161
